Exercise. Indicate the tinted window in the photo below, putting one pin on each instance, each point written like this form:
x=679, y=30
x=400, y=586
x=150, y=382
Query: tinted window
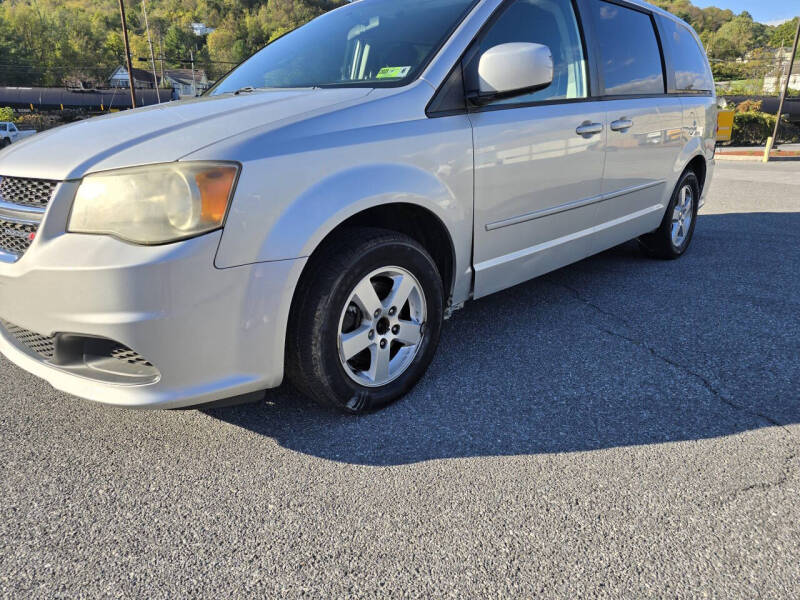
x=630, y=59
x=548, y=22
x=2, y=127
x=371, y=42
x=687, y=58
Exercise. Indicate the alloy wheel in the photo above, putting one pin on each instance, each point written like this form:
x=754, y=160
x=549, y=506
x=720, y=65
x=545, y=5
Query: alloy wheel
x=382, y=326
x=682, y=216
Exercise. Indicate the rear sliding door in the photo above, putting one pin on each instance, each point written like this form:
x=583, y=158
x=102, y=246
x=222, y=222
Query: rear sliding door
x=644, y=124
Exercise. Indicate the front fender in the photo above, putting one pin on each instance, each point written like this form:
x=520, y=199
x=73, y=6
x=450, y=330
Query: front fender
x=330, y=202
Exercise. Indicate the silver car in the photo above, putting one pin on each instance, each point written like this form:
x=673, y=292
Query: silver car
x=323, y=208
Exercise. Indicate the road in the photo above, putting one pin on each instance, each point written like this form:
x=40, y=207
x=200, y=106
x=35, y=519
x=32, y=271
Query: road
x=620, y=428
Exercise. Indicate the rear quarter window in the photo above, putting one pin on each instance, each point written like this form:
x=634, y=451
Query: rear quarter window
x=687, y=58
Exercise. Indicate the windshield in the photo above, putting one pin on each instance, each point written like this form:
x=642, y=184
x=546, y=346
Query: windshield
x=369, y=43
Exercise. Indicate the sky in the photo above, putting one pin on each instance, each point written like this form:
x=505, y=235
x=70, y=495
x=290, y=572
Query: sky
x=763, y=11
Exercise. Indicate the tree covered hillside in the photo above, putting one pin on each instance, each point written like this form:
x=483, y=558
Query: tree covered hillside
x=49, y=42
x=58, y=42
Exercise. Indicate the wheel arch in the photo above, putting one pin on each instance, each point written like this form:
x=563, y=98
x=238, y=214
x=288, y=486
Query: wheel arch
x=416, y=221
x=700, y=168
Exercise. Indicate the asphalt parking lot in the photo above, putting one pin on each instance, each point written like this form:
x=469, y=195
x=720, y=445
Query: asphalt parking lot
x=620, y=428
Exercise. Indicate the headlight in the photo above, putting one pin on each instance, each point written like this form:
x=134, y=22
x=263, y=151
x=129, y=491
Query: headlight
x=156, y=204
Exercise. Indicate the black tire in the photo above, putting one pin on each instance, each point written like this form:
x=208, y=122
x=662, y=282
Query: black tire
x=313, y=364
x=659, y=243
x=4, y=142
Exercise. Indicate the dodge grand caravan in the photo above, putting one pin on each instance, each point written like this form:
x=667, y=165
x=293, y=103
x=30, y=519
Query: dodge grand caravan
x=322, y=209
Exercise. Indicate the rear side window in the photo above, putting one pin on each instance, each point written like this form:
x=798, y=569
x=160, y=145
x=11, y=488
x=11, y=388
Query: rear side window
x=549, y=22
x=687, y=58
x=630, y=57
x=2, y=127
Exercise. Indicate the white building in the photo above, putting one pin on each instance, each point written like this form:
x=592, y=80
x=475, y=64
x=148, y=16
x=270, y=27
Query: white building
x=201, y=29
x=774, y=84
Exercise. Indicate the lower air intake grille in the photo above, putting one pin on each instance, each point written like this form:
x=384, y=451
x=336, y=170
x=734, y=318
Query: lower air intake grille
x=40, y=344
x=129, y=356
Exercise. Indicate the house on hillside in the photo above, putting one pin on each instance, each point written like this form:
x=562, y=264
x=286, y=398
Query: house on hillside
x=185, y=82
x=774, y=83
x=141, y=79
x=201, y=29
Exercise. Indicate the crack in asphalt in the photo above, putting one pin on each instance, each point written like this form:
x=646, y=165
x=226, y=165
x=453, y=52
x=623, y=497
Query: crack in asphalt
x=641, y=343
x=764, y=486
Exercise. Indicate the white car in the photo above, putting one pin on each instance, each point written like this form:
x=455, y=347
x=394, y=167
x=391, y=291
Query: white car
x=326, y=205
x=9, y=134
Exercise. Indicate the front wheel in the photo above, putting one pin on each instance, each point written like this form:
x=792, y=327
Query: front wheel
x=366, y=320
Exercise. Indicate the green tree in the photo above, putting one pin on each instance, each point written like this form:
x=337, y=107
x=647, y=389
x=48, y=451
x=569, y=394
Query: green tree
x=783, y=35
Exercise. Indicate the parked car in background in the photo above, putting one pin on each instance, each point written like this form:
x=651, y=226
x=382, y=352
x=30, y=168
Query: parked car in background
x=330, y=202
x=9, y=133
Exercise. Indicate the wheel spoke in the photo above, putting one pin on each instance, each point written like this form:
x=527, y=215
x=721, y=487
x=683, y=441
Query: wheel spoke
x=355, y=342
x=402, y=289
x=366, y=298
x=379, y=365
x=676, y=214
x=410, y=333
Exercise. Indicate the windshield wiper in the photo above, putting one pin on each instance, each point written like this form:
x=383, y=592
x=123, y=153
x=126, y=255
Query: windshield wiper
x=245, y=90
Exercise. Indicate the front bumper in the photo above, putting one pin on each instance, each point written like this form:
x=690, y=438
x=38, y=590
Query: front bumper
x=211, y=333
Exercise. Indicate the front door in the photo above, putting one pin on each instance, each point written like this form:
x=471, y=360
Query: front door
x=538, y=158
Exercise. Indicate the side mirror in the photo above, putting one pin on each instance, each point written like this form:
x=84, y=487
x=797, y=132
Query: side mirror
x=513, y=69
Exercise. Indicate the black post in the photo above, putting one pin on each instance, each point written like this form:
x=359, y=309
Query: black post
x=127, y=52
x=785, y=87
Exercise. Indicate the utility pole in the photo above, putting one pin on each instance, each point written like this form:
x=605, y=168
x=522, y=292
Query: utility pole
x=194, y=81
x=783, y=93
x=127, y=52
x=152, y=55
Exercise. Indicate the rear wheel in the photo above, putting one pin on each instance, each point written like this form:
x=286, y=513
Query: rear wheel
x=674, y=235
x=366, y=320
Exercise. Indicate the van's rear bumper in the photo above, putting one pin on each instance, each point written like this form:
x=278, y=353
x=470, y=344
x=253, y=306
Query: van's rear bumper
x=209, y=333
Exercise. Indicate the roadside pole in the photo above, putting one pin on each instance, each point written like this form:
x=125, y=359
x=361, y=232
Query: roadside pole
x=194, y=80
x=785, y=91
x=152, y=54
x=127, y=52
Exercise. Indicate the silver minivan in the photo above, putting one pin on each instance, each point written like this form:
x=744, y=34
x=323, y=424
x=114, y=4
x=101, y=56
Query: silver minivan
x=326, y=205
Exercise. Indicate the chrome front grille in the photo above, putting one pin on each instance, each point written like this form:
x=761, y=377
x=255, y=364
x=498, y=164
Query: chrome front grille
x=16, y=237
x=22, y=206
x=39, y=344
x=34, y=193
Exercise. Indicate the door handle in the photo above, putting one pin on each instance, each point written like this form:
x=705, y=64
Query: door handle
x=622, y=124
x=588, y=129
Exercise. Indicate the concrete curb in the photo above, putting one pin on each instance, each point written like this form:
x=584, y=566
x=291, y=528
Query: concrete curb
x=757, y=158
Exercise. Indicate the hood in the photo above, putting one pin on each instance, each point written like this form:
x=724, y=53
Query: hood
x=163, y=133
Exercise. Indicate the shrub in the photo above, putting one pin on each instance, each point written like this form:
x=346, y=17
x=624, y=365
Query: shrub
x=6, y=114
x=753, y=128
x=749, y=106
